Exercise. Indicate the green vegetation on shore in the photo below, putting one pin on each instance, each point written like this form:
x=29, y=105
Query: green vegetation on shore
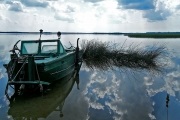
x=154, y=35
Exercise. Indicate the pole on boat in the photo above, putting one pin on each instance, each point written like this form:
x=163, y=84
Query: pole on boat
x=59, y=34
x=41, y=31
x=77, y=52
x=31, y=68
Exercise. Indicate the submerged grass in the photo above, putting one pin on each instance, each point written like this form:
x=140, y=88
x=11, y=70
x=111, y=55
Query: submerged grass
x=106, y=55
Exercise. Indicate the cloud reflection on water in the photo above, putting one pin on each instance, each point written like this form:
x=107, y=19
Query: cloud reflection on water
x=123, y=96
x=129, y=96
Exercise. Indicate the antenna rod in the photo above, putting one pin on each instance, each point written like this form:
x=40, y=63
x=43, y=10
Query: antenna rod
x=41, y=31
x=59, y=34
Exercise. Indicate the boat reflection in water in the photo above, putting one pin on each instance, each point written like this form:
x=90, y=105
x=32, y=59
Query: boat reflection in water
x=34, y=107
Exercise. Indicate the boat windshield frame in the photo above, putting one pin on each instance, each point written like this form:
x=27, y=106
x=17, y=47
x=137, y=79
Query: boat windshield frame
x=35, y=47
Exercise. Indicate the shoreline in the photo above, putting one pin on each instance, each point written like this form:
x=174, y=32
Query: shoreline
x=133, y=35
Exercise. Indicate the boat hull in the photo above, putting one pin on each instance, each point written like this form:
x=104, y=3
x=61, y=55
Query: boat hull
x=33, y=70
x=59, y=68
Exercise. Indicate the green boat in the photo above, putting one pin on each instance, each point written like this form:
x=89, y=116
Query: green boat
x=41, y=62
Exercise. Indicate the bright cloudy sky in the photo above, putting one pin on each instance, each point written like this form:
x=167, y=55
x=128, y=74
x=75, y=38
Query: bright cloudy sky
x=90, y=15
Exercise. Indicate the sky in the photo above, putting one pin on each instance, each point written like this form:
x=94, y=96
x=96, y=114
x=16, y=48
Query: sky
x=90, y=15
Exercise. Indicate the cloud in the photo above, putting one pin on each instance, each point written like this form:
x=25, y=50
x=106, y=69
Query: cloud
x=136, y=4
x=148, y=81
x=3, y=53
x=35, y=3
x=123, y=95
x=16, y=6
x=119, y=95
x=153, y=10
x=169, y=82
x=64, y=17
x=1, y=74
x=96, y=105
x=9, y=2
x=93, y=1
x=2, y=18
x=152, y=117
x=66, y=8
x=116, y=18
x=64, y=11
x=178, y=7
x=2, y=6
x=70, y=9
x=127, y=98
x=159, y=15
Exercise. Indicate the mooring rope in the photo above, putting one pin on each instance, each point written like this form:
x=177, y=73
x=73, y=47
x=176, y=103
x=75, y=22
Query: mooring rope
x=37, y=72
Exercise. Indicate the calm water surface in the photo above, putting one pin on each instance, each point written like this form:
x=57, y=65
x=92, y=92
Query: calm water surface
x=121, y=94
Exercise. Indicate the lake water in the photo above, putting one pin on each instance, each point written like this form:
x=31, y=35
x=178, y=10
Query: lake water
x=120, y=94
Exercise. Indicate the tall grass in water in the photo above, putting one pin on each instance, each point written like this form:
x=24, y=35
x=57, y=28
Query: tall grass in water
x=106, y=55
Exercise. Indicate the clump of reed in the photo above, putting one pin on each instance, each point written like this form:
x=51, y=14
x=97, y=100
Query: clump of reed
x=106, y=55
